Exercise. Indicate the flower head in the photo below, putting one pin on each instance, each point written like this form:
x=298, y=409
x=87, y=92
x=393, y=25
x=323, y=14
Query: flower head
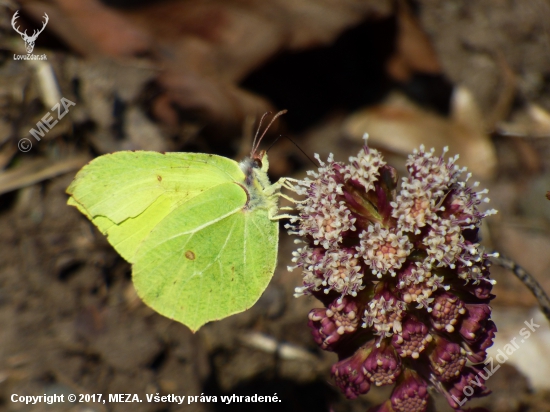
x=324, y=217
x=384, y=250
x=401, y=274
x=365, y=168
x=384, y=314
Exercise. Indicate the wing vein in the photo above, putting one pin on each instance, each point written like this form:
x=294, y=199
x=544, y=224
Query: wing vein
x=199, y=228
x=221, y=249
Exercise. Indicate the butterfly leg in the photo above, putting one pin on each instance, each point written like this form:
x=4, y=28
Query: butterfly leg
x=290, y=179
x=290, y=199
x=273, y=212
x=283, y=216
x=285, y=182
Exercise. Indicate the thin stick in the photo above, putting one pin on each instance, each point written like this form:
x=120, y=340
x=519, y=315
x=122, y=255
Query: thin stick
x=528, y=280
x=38, y=170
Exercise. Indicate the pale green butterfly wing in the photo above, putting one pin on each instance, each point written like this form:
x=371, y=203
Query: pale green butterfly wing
x=126, y=194
x=201, y=249
x=215, y=257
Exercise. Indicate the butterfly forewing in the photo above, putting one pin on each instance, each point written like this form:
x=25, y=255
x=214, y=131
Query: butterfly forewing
x=126, y=194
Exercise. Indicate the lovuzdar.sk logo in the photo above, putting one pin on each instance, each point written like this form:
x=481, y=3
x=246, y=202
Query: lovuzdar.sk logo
x=29, y=40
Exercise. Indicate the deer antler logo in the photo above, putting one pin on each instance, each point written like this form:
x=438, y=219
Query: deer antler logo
x=29, y=40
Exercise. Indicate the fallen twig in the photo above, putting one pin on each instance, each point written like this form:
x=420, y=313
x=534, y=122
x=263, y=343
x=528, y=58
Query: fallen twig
x=528, y=280
x=37, y=171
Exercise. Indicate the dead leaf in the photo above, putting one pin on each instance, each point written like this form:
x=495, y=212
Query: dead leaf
x=532, y=121
x=398, y=125
x=414, y=50
x=91, y=28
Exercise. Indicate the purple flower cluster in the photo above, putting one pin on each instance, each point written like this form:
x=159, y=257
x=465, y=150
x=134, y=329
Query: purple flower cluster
x=401, y=274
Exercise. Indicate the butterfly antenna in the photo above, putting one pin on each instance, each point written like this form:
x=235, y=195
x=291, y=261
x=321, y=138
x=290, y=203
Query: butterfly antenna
x=257, y=142
x=258, y=132
x=295, y=144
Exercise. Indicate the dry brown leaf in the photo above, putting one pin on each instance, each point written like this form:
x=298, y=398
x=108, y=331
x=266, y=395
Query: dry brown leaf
x=398, y=125
x=414, y=50
x=533, y=121
x=91, y=28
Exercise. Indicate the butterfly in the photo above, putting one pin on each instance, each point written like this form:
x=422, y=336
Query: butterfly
x=200, y=230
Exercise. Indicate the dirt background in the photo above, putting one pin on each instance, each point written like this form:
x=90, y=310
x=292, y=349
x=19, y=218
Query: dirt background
x=193, y=76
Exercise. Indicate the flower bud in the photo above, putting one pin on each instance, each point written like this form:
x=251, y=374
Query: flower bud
x=411, y=395
x=475, y=320
x=330, y=325
x=478, y=349
x=412, y=340
x=446, y=312
x=447, y=359
x=471, y=384
x=349, y=374
x=382, y=366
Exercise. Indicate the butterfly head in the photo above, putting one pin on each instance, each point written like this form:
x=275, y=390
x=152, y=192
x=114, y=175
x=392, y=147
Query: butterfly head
x=259, y=161
x=255, y=169
x=256, y=166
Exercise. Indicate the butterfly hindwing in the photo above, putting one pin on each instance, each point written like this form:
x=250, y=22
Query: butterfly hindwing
x=206, y=266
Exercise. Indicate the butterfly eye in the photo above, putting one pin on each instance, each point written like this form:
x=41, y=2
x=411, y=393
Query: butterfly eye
x=258, y=162
x=257, y=159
